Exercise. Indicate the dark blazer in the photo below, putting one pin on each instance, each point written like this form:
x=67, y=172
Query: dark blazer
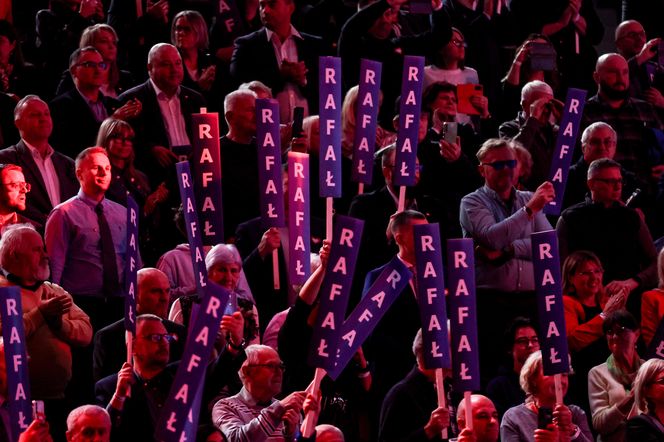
x=38, y=205
x=149, y=125
x=110, y=351
x=74, y=125
x=253, y=59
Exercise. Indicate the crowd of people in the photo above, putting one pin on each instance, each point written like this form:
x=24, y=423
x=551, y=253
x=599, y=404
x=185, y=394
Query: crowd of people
x=96, y=105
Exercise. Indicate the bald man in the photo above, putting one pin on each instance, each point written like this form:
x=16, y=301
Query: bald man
x=486, y=422
x=153, y=298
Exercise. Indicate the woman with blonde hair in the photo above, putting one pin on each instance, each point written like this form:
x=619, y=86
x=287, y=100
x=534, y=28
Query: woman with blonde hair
x=652, y=304
x=649, y=398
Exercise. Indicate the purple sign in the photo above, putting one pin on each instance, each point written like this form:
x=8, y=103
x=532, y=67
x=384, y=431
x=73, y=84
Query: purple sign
x=16, y=361
x=335, y=291
x=431, y=295
x=329, y=109
x=366, y=120
x=192, y=226
x=269, y=163
x=206, y=164
x=550, y=309
x=409, y=121
x=463, y=314
x=299, y=230
x=131, y=266
x=228, y=17
x=562, y=154
x=191, y=370
x=364, y=318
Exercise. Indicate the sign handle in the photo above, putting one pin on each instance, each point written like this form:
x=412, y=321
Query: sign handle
x=440, y=390
x=311, y=418
x=360, y=188
x=129, y=339
x=328, y=217
x=402, y=199
x=557, y=379
x=469, y=409
x=275, y=269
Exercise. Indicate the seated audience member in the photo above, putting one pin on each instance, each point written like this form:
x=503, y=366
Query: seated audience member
x=280, y=57
x=520, y=341
x=165, y=119
x=586, y=306
x=152, y=297
x=103, y=38
x=257, y=87
x=13, y=195
x=50, y=174
x=522, y=71
x=646, y=79
x=254, y=414
x=149, y=377
x=631, y=118
x=500, y=219
x=652, y=304
x=78, y=113
x=610, y=384
x=53, y=323
x=89, y=422
x=649, y=399
x=536, y=128
x=486, y=421
x=86, y=240
x=410, y=409
x=239, y=161
x=597, y=141
x=615, y=233
x=519, y=423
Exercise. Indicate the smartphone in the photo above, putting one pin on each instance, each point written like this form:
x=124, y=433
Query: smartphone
x=660, y=52
x=450, y=132
x=544, y=417
x=542, y=57
x=231, y=305
x=38, y=413
x=298, y=116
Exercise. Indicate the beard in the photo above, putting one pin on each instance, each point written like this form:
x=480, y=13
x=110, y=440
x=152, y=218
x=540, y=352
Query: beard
x=42, y=273
x=614, y=94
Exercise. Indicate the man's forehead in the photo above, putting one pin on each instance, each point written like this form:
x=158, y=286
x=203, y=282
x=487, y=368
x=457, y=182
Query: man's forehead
x=632, y=26
x=608, y=172
x=601, y=133
x=499, y=152
x=268, y=356
x=151, y=326
x=97, y=159
x=89, y=55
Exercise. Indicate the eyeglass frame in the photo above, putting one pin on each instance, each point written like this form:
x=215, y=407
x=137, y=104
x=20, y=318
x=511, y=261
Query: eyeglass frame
x=166, y=337
x=13, y=186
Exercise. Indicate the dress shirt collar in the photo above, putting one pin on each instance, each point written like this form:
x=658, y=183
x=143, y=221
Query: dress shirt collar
x=35, y=152
x=249, y=399
x=493, y=194
x=87, y=200
x=162, y=94
x=100, y=97
x=293, y=33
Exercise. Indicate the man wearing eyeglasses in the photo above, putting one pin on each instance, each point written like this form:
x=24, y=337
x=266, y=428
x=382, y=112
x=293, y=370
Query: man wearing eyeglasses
x=78, y=113
x=500, y=219
x=615, y=233
x=13, y=195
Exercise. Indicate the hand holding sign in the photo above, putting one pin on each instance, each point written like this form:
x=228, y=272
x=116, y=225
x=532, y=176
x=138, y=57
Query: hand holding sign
x=126, y=379
x=544, y=194
x=439, y=420
x=269, y=241
x=232, y=327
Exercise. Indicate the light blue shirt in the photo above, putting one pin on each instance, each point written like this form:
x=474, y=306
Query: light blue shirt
x=487, y=219
x=73, y=244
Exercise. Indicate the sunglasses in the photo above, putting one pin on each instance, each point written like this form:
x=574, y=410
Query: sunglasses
x=500, y=165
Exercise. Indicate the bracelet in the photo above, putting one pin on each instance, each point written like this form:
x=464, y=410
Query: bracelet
x=239, y=346
x=363, y=369
x=364, y=374
x=576, y=433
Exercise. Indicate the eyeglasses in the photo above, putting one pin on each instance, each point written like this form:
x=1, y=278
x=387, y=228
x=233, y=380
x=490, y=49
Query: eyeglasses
x=93, y=64
x=121, y=137
x=500, y=165
x=458, y=43
x=609, y=181
x=20, y=186
x=618, y=330
x=525, y=341
x=591, y=272
x=274, y=366
x=157, y=338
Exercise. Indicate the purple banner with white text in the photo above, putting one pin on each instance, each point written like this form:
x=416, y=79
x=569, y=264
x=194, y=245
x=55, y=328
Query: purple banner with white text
x=16, y=361
x=206, y=164
x=191, y=371
x=550, y=308
x=335, y=291
x=463, y=314
x=131, y=266
x=299, y=229
x=269, y=163
x=409, y=121
x=366, y=120
x=369, y=311
x=329, y=108
x=431, y=294
x=564, y=150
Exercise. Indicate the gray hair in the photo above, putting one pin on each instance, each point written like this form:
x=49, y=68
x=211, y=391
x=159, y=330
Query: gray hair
x=533, y=87
x=154, y=50
x=529, y=372
x=587, y=133
x=253, y=353
x=230, y=101
x=256, y=86
x=494, y=144
x=198, y=26
x=76, y=413
x=222, y=253
x=601, y=164
x=12, y=238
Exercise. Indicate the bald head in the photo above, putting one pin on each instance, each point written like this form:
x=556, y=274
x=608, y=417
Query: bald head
x=630, y=38
x=612, y=76
x=485, y=418
x=153, y=292
x=165, y=68
x=328, y=433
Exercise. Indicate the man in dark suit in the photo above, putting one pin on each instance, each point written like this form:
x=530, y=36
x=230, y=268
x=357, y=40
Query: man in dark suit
x=281, y=57
x=50, y=174
x=153, y=297
x=165, y=120
x=78, y=113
